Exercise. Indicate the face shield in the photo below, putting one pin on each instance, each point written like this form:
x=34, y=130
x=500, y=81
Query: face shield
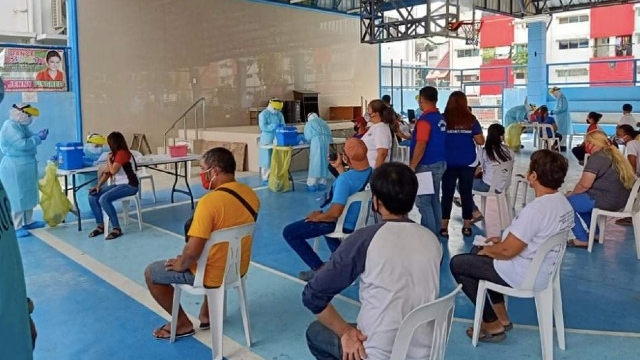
x=276, y=104
x=24, y=113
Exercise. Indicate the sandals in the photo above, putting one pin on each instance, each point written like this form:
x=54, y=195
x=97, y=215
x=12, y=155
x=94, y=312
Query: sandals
x=573, y=244
x=488, y=337
x=163, y=330
x=99, y=230
x=444, y=233
x=116, y=232
x=467, y=231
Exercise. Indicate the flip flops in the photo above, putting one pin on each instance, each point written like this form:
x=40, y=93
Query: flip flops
x=205, y=326
x=168, y=333
x=488, y=337
x=573, y=244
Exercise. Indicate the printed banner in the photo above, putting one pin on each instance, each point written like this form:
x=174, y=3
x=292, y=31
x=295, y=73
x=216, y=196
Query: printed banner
x=25, y=69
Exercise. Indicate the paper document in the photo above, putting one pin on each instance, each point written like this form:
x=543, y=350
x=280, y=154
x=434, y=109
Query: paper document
x=425, y=183
x=479, y=240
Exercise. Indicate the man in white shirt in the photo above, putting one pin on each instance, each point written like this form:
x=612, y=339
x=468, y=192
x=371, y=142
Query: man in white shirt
x=627, y=118
x=505, y=261
x=398, y=262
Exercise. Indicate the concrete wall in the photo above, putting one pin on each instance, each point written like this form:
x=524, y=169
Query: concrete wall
x=144, y=62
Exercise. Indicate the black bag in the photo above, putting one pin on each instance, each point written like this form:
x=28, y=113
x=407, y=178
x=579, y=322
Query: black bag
x=254, y=214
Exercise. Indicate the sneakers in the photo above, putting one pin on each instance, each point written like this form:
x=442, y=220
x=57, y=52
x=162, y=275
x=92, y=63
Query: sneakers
x=457, y=202
x=306, y=275
x=22, y=233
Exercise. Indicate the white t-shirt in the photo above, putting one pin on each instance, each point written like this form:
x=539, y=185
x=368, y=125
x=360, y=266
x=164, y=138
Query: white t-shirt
x=488, y=167
x=377, y=137
x=633, y=148
x=542, y=218
x=627, y=119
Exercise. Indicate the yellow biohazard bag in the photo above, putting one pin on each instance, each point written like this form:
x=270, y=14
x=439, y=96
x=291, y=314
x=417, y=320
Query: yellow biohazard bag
x=279, y=172
x=512, y=136
x=55, y=205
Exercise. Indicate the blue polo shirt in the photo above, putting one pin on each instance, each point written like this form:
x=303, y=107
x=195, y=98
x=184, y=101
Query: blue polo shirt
x=432, y=128
x=461, y=149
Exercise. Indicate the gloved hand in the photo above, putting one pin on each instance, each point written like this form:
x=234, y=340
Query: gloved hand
x=42, y=134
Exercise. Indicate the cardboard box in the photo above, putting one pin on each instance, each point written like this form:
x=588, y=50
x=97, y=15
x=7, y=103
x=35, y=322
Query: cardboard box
x=239, y=150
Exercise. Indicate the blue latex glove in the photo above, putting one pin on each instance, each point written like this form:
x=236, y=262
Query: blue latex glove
x=42, y=134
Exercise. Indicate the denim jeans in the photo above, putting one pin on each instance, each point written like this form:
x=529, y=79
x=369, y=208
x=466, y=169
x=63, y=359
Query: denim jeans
x=468, y=270
x=323, y=343
x=296, y=234
x=583, y=205
x=103, y=200
x=429, y=205
x=463, y=176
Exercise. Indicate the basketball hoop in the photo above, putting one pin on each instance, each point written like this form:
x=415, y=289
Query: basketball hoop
x=471, y=30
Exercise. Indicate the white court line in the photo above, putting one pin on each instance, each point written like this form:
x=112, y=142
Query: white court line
x=232, y=349
x=460, y=320
x=342, y=297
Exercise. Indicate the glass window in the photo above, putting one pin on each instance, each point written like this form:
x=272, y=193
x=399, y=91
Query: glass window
x=583, y=43
x=563, y=44
x=468, y=52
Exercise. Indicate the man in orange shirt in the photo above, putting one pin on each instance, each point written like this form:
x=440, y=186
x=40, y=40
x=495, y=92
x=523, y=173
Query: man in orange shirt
x=229, y=204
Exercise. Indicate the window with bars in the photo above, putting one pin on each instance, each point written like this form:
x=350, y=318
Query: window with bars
x=573, y=44
x=573, y=19
x=467, y=53
x=572, y=72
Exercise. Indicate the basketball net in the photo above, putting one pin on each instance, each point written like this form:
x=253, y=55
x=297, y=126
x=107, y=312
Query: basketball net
x=471, y=30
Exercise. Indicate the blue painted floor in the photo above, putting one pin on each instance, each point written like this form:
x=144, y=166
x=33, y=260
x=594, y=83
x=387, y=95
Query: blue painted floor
x=79, y=315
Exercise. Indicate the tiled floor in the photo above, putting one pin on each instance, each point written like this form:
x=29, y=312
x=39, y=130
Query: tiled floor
x=91, y=302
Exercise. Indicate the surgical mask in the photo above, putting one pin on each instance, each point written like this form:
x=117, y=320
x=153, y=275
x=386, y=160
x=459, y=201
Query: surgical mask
x=588, y=121
x=620, y=141
x=26, y=121
x=206, y=184
x=367, y=117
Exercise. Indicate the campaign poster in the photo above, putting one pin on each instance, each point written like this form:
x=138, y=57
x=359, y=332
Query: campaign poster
x=24, y=69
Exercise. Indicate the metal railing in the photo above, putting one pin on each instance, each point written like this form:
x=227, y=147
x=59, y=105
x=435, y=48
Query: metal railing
x=200, y=104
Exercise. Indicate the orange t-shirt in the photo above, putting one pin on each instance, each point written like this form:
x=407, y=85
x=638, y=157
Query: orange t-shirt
x=44, y=76
x=219, y=210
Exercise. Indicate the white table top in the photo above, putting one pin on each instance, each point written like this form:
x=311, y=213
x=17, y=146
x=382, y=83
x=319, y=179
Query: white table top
x=146, y=160
x=334, y=141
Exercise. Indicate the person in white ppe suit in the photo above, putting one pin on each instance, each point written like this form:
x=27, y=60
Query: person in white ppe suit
x=318, y=134
x=561, y=113
x=269, y=120
x=18, y=168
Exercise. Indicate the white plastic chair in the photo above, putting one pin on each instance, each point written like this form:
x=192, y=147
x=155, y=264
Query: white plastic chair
x=440, y=311
x=546, y=141
x=217, y=296
x=502, y=173
x=631, y=209
x=363, y=197
x=548, y=301
x=520, y=180
x=402, y=154
x=144, y=175
x=125, y=213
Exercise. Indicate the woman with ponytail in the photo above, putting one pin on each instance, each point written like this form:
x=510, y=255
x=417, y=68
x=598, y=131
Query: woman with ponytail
x=606, y=182
x=379, y=138
x=626, y=135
